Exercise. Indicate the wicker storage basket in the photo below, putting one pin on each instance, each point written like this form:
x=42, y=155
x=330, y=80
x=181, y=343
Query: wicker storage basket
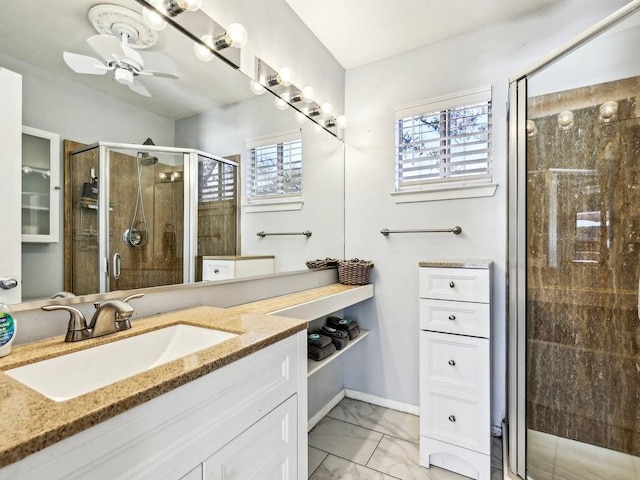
x=320, y=263
x=354, y=272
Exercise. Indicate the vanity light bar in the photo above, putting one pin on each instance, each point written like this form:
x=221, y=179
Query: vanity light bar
x=280, y=83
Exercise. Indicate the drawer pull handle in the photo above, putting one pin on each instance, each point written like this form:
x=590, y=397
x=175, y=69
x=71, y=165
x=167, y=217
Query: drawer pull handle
x=451, y=284
x=452, y=317
x=452, y=418
x=215, y=270
x=452, y=363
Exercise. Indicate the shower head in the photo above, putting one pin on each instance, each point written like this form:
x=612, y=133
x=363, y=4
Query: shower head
x=146, y=160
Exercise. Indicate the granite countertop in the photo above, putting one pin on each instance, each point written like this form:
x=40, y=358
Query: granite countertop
x=30, y=421
x=485, y=264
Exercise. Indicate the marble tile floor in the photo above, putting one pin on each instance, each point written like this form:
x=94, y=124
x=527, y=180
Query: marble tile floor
x=360, y=441
x=556, y=458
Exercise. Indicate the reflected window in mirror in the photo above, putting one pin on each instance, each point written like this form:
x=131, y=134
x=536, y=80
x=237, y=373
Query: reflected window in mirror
x=274, y=170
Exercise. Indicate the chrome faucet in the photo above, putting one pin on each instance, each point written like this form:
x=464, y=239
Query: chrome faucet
x=110, y=317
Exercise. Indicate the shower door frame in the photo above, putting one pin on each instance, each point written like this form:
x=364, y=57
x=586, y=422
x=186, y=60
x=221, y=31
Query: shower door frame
x=190, y=165
x=516, y=428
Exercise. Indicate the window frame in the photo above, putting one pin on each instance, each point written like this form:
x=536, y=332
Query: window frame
x=443, y=187
x=280, y=201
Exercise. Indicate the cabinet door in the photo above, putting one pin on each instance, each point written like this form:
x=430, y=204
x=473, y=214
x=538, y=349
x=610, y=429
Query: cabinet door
x=40, y=186
x=10, y=147
x=267, y=450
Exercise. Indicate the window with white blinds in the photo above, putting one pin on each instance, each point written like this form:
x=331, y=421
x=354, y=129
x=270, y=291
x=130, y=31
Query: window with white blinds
x=216, y=181
x=444, y=140
x=275, y=167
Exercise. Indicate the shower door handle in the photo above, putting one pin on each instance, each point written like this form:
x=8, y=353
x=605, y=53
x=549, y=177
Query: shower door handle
x=116, y=266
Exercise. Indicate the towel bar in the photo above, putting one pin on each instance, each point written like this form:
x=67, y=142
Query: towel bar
x=455, y=230
x=306, y=233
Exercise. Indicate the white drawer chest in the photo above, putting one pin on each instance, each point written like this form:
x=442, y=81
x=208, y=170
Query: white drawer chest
x=455, y=366
x=226, y=267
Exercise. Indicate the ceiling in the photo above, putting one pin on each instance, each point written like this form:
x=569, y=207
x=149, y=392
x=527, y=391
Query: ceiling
x=39, y=31
x=357, y=32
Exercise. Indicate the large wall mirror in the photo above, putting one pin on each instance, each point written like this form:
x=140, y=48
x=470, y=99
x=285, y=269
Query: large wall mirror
x=210, y=108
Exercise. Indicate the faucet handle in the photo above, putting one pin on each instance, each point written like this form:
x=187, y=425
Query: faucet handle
x=77, y=329
x=133, y=297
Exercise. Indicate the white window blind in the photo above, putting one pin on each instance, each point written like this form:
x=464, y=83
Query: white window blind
x=216, y=181
x=444, y=140
x=275, y=167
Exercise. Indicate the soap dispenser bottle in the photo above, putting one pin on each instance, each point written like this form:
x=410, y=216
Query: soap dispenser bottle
x=7, y=329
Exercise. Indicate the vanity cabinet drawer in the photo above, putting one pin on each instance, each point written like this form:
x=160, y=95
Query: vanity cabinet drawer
x=455, y=362
x=462, y=318
x=460, y=284
x=454, y=417
x=218, y=270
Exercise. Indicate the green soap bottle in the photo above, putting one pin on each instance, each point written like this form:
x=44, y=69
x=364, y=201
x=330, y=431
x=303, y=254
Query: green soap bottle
x=7, y=329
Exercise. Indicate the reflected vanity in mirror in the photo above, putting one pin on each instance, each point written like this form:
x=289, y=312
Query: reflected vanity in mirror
x=209, y=107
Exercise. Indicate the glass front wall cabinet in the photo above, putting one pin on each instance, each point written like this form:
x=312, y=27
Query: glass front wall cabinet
x=40, y=186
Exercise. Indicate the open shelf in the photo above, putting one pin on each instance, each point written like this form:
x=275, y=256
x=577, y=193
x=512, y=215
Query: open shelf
x=313, y=366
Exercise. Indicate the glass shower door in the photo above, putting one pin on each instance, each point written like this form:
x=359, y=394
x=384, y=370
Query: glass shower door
x=146, y=217
x=577, y=264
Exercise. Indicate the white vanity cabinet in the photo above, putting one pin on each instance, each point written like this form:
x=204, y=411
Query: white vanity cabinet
x=226, y=267
x=244, y=420
x=455, y=367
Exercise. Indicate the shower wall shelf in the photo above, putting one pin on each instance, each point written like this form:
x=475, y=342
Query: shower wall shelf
x=40, y=187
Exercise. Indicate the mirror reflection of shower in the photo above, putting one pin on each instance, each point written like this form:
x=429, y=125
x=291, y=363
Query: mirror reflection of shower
x=137, y=235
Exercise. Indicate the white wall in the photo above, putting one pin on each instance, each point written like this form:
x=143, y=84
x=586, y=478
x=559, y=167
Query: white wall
x=75, y=112
x=225, y=131
x=280, y=38
x=387, y=363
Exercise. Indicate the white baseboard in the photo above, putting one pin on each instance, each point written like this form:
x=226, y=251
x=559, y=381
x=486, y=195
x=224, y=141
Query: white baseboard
x=383, y=402
x=313, y=421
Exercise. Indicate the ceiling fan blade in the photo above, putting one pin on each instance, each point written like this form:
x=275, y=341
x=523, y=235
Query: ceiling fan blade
x=107, y=47
x=172, y=76
x=139, y=89
x=84, y=64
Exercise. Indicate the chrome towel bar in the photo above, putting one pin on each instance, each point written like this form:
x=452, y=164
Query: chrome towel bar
x=306, y=233
x=455, y=230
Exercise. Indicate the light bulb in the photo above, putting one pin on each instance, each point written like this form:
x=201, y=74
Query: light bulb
x=162, y=176
x=300, y=117
x=194, y=5
x=308, y=94
x=236, y=35
x=257, y=88
x=153, y=19
x=203, y=53
x=341, y=121
x=281, y=104
x=285, y=76
x=327, y=109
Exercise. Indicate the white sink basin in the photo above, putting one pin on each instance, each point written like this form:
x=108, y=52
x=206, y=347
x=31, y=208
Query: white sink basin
x=77, y=373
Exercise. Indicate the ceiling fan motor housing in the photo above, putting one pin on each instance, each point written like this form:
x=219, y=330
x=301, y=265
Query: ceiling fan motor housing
x=124, y=76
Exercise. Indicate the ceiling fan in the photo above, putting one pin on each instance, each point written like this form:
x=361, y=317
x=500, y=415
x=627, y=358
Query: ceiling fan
x=117, y=57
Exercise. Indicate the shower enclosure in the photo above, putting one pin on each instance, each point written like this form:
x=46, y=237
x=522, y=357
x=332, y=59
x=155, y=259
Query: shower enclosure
x=142, y=215
x=574, y=348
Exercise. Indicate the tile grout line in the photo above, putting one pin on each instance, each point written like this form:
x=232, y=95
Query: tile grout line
x=416, y=442
x=326, y=456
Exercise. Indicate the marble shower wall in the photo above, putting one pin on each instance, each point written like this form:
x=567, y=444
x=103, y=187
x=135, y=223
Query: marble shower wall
x=583, y=229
